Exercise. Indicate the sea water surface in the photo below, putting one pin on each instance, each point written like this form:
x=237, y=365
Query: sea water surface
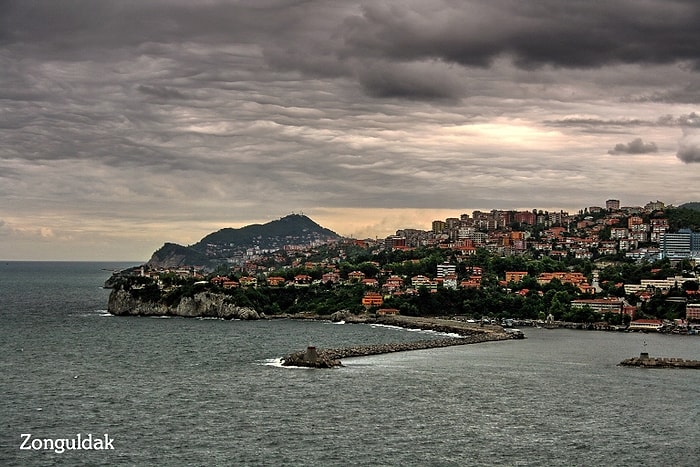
x=175, y=391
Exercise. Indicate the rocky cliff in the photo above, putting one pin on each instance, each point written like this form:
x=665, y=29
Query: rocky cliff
x=204, y=305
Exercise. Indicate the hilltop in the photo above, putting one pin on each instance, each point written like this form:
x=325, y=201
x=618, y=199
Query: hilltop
x=294, y=230
x=695, y=206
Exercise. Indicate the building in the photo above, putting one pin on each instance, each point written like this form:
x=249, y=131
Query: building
x=600, y=305
x=248, y=281
x=301, y=280
x=393, y=283
x=515, y=276
x=387, y=311
x=661, y=285
x=654, y=206
x=612, y=204
x=525, y=217
x=445, y=269
x=439, y=226
x=645, y=325
x=274, y=281
x=356, y=276
x=423, y=281
x=371, y=299
x=332, y=277
x=450, y=281
x=692, y=311
x=675, y=245
x=395, y=242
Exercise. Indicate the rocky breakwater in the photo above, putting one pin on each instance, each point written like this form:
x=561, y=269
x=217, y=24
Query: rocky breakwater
x=645, y=361
x=329, y=358
x=203, y=305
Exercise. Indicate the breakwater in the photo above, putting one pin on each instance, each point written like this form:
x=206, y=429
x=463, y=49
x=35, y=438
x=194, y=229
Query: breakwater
x=645, y=361
x=328, y=358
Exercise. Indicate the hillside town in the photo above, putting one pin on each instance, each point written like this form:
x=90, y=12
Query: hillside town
x=568, y=265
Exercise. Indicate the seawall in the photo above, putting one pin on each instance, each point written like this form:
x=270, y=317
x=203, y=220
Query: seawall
x=469, y=334
x=645, y=361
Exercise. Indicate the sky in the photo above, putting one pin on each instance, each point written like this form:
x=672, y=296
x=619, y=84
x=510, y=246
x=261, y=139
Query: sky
x=127, y=124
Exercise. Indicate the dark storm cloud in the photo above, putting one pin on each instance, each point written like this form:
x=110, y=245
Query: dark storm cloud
x=133, y=112
x=339, y=38
x=559, y=33
x=636, y=146
x=420, y=82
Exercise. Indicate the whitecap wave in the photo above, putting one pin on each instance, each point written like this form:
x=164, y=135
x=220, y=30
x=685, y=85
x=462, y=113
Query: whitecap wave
x=424, y=331
x=94, y=313
x=277, y=363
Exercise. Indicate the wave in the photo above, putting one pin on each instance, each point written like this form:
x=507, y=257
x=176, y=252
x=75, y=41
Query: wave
x=424, y=331
x=277, y=363
x=93, y=313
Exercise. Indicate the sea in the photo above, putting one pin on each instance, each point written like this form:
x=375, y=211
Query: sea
x=187, y=391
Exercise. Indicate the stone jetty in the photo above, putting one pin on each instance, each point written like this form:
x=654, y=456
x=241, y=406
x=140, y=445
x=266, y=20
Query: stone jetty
x=645, y=361
x=329, y=358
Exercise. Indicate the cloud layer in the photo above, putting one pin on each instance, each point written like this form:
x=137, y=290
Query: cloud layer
x=127, y=124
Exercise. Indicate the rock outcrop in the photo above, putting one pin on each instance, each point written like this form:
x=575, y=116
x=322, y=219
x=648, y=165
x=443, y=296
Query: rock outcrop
x=202, y=305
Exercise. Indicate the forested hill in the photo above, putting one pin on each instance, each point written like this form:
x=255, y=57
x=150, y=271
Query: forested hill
x=695, y=206
x=217, y=247
x=684, y=216
x=289, y=230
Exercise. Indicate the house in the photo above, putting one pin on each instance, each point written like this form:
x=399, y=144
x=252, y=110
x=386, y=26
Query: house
x=275, y=281
x=356, y=276
x=302, y=280
x=423, y=281
x=333, y=277
x=472, y=282
x=387, y=311
x=248, y=281
x=393, y=283
x=515, y=276
x=371, y=299
x=575, y=278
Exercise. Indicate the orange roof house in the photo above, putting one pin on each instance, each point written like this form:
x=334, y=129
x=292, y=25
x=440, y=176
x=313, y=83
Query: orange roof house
x=515, y=276
x=371, y=299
